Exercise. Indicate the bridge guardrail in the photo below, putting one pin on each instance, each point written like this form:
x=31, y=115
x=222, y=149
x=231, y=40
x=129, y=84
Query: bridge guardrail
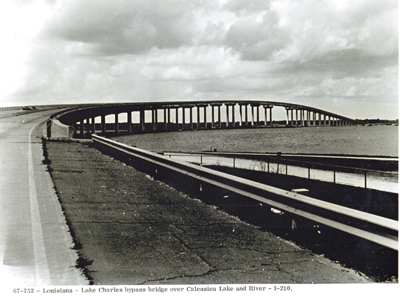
x=336, y=216
x=279, y=165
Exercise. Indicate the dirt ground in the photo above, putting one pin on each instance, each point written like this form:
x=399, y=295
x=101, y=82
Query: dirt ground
x=130, y=229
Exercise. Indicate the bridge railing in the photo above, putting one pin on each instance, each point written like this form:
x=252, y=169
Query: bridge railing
x=337, y=174
x=377, y=229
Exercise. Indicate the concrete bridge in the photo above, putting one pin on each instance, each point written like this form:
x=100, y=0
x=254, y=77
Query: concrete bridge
x=127, y=118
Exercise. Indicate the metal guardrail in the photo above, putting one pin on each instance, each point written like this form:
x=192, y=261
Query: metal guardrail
x=267, y=194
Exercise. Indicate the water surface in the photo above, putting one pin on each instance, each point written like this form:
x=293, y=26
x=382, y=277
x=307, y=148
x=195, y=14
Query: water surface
x=348, y=140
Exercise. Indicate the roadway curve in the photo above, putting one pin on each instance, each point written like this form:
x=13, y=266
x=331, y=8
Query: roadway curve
x=35, y=244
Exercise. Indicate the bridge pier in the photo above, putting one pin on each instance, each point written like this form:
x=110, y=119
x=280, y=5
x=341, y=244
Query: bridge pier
x=246, y=115
x=169, y=118
x=302, y=117
x=165, y=111
x=191, y=118
x=129, y=120
x=227, y=115
x=183, y=117
x=177, y=118
x=219, y=116
x=92, y=129
x=233, y=117
x=205, y=116
x=116, y=123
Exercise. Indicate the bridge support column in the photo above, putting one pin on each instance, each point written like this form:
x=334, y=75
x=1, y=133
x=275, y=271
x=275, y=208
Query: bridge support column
x=270, y=116
x=253, y=115
x=103, y=124
x=177, y=118
x=154, y=119
x=205, y=117
x=93, y=127
x=88, y=126
x=302, y=117
x=81, y=127
x=227, y=115
x=116, y=124
x=191, y=117
x=233, y=116
x=240, y=115
x=183, y=117
x=292, y=118
x=129, y=128
x=308, y=118
x=141, y=116
x=165, y=119
x=246, y=114
x=219, y=116
x=75, y=127
x=212, y=116
x=198, y=117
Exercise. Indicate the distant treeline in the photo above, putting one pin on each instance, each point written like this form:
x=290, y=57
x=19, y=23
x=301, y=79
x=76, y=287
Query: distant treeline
x=379, y=122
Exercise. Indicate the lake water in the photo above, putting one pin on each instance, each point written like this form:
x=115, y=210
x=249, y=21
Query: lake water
x=347, y=140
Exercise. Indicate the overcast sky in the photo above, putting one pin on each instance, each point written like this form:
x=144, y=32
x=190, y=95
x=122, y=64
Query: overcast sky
x=337, y=55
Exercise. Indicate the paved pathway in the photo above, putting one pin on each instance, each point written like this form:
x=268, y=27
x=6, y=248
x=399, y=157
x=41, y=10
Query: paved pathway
x=35, y=245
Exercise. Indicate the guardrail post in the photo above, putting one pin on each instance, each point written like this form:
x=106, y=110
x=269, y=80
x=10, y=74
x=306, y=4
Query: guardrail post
x=365, y=178
x=334, y=177
x=309, y=172
x=234, y=162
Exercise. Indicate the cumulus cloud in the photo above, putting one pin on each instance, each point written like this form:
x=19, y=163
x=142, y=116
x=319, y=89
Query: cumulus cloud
x=122, y=27
x=336, y=54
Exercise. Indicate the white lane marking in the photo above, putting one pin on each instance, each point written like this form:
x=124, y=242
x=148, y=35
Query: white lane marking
x=41, y=265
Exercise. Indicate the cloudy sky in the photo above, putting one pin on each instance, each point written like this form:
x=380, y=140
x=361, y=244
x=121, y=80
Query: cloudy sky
x=338, y=55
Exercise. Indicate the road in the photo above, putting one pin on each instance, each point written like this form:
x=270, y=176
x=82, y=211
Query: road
x=35, y=245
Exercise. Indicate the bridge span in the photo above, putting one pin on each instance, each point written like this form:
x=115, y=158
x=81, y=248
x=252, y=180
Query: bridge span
x=145, y=117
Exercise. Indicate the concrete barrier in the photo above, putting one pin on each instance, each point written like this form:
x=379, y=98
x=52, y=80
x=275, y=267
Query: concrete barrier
x=59, y=130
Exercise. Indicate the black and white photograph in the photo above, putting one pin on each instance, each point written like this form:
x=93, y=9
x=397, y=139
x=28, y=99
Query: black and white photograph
x=244, y=147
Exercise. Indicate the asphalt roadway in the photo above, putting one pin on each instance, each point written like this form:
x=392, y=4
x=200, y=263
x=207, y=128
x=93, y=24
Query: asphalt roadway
x=35, y=245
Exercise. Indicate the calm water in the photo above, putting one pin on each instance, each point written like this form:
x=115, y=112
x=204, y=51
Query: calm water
x=353, y=140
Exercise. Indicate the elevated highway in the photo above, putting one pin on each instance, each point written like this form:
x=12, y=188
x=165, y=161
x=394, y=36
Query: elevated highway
x=188, y=115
